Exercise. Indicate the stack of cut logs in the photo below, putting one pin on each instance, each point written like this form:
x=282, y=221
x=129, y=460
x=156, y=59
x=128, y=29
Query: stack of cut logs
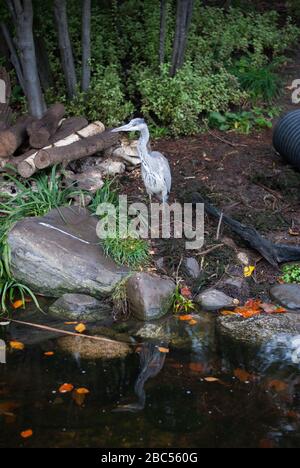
x=51, y=140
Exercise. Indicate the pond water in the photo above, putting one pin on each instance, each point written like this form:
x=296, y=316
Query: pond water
x=254, y=400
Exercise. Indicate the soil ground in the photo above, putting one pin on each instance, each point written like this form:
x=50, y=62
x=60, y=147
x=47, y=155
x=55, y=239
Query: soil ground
x=243, y=175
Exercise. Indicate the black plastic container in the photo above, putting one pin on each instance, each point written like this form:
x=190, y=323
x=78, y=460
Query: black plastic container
x=286, y=138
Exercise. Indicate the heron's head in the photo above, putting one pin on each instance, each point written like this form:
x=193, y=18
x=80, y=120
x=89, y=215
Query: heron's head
x=133, y=126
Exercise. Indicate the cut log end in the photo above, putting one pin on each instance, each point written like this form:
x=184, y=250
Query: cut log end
x=26, y=169
x=42, y=159
x=40, y=140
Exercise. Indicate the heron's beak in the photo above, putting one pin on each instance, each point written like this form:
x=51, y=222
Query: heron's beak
x=125, y=128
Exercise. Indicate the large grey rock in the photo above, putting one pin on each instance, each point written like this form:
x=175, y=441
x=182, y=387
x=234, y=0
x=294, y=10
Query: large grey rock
x=149, y=296
x=60, y=253
x=260, y=329
x=79, y=307
x=287, y=295
x=212, y=299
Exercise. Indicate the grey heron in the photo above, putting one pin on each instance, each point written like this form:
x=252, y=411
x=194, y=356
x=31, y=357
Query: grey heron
x=156, y=172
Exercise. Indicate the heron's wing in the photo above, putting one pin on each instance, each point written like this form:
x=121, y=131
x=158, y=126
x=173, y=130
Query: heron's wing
x=162, y=165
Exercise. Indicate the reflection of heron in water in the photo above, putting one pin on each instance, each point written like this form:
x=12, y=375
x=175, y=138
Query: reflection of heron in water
x=151, y=363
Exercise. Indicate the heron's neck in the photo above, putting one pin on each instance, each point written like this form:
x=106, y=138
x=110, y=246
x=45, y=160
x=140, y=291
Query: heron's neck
x=143, y=143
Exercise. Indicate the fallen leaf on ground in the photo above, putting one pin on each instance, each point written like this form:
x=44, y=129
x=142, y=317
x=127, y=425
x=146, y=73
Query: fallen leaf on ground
x=49, y=353
x=242, y=375
x=66, y=388
x=186, y=292
x=80, y=328
x=26, y=434
x=17, y=345
x=71, y=323
x=18, y=304
x=294, y=233
x=273, y=309
x=185, y=317
x=228, y=312
x=163, y=350
x=248, y=271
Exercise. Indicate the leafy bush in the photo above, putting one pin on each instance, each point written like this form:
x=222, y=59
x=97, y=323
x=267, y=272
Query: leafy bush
x=177, y=103
x=262, y=83
x=291, y=273
x=242, y=122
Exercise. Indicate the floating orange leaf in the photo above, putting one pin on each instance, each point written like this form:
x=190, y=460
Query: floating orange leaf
x=242, y=375
x=82, y=391
x=185, y=317
x=163, y=350
x=66, y=388
x=49, y=353
x=211, y=379
x=80, y=328
x=196, y=367
x=26, y=434
x=18, y=304
x=193, y=322
x=71, y=323
x=277, y=385
x=17, y=345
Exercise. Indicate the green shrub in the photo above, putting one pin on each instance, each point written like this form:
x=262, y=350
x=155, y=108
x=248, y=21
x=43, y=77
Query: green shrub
x=177, y=103
x=262, y=83
x=242, y=122
x=291, y=273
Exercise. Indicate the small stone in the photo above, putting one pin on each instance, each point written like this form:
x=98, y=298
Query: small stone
x=87, y=348
x=149, y=296
x=192, y=267
x=90, y=180
x=212, y=299
x=287, y=295
x=79, y=307
x=109, y=167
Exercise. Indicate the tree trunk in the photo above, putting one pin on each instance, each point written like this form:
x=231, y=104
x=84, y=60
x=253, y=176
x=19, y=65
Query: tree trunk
x=43, y=63
x=60, y=11
x=183, y=20
x=86, y=44
x=13, y=56
x=42, y=130
x=22, y=14
x=11, y=139
x=162, y=32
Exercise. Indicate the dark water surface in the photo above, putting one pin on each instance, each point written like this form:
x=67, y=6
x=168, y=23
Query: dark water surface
x=181, y=408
